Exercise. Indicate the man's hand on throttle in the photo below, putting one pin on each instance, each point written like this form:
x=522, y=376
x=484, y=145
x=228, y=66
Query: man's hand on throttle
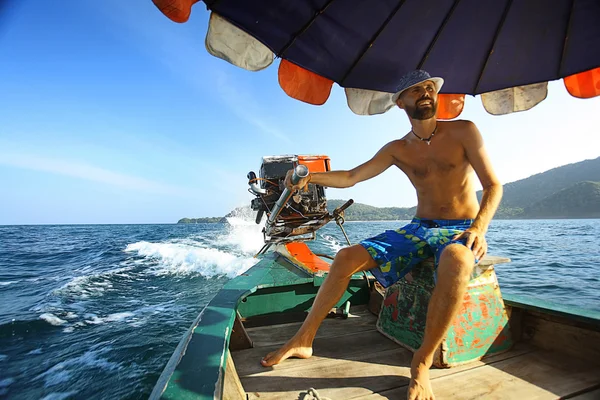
x=302, y=184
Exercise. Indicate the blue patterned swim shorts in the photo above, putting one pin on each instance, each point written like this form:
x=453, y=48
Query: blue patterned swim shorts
x=398, y=251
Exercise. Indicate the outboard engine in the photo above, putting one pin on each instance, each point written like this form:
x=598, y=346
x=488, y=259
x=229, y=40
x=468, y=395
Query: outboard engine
x=289, y=214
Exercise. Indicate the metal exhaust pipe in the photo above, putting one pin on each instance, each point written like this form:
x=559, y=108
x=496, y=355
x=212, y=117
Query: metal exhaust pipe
x=301, y=171
x=253, y=186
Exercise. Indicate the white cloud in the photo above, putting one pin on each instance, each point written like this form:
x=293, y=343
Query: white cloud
x=89, y=173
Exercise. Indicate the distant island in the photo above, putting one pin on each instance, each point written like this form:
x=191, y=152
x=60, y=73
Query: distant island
x=570, y=191
x=205, y=220
x=240, y=211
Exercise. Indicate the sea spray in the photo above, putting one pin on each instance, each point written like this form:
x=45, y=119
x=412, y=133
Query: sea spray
x=228, y=253
x=184, y=259
x=242, y=232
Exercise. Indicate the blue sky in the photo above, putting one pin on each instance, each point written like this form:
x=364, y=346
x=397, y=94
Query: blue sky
x=111, y=113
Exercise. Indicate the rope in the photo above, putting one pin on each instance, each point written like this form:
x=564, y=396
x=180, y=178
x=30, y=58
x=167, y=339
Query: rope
x=312, y=394
x=263, y=179
x=339, y=220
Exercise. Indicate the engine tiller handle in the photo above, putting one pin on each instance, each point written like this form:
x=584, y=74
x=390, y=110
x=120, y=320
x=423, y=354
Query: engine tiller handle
x=341, y=208
x=301, y=171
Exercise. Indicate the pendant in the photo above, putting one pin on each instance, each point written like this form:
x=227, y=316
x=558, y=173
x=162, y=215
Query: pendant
x=428, y=143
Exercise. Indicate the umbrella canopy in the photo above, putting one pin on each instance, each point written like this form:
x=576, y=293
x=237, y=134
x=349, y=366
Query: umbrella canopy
x=505, y=50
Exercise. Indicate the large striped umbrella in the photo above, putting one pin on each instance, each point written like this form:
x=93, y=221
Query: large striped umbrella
x=504, y=50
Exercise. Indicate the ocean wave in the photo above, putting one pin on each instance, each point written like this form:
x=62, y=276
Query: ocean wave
x=4, y=384
x=185, y=259
x=56, y=378
x=52, y=319
x=59, y=395
x=69, y=321
x=48, y=322
x=92, y=285
x=26, y=327
x=116, y=317
x=91, y=359
x=85, y=286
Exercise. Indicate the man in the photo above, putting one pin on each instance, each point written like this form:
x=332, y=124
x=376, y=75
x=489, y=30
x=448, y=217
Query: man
x=439, y=159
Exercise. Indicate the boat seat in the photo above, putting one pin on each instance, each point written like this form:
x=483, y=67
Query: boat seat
x=480, y=329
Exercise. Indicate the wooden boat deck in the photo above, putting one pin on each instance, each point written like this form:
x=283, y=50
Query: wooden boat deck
x=354, y=361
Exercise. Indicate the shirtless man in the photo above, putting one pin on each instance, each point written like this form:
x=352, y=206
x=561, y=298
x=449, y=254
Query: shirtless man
x=439, y=159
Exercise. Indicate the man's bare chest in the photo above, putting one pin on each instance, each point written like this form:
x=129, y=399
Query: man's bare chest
x=432, y=163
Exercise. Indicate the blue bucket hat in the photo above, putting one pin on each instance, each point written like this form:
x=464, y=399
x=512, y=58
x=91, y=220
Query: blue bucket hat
x=414, y=78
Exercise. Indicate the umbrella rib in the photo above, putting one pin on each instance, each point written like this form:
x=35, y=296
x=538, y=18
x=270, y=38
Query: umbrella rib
x=372, y=41
x=565, y=44
x=500, y=25
x=304, y=28
x=437, y=35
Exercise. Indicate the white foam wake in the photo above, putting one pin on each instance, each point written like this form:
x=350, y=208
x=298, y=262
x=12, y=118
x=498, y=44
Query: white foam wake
x=185, y=259
x=93, y=319
x=93, y=285
x=91, y=359
x=332, y=243
x=243, y=233
x=52, y=319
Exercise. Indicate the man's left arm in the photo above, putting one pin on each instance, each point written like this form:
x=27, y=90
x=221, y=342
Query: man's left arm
x=492, y=190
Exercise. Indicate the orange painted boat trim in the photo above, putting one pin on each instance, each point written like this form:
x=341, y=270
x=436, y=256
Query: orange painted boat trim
x=305, y=258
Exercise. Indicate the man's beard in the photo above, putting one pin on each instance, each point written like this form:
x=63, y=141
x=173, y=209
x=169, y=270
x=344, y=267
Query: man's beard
x=422, y=113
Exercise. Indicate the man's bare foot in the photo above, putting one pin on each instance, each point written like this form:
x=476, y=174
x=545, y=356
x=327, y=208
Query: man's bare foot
x=293, y=348
x=419, y=387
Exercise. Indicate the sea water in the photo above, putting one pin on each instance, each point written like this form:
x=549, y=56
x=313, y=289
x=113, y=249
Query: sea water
x=95, y=311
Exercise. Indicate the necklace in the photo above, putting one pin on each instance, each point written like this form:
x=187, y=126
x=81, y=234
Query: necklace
x=426, y=140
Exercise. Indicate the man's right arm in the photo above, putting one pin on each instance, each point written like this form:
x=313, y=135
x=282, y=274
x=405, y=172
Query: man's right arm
x=344, y=179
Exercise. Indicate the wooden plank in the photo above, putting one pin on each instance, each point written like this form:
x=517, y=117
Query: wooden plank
x=543, y=332
x=590, y=395
x=359, y=321
x=345, y=379
x=570, y=314
x=232, y=387
x=333, y=378
x=345, y=347
x=239, y=339
x=492, y=260
x=376, y=294
x=536, y=375
x=342, y=367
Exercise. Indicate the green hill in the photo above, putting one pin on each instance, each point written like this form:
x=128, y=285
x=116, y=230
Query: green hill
x=364, y=212
x=581, y=200
x=556, y=193
x=525, y=192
